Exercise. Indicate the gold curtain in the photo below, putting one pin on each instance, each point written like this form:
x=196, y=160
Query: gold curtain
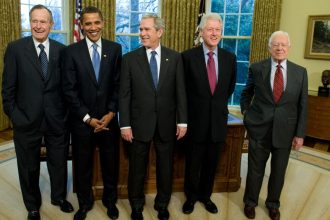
x=266, y=20
x=180, y=23
x=10, y=25
x=108, y=9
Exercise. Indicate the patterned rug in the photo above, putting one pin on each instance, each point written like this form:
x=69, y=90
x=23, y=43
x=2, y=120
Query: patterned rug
x=311, y=156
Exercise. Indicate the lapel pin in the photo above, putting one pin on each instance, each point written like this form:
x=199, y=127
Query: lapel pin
x=104, y=55
x=166, y=59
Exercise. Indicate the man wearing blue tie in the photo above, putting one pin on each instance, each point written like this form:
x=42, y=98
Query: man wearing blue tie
x=90, y=83
x=152, y=107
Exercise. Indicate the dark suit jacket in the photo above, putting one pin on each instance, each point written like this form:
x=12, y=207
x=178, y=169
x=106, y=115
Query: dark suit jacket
x=206, y=112
x=142, y=106
x=28, y=98
x=286, y=118
x=83, y=93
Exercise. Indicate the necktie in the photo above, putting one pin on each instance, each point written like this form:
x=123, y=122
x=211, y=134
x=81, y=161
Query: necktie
x=211, y=72
x=278, y=86
x=43, y=60
x=96, y=61
x=153, y=68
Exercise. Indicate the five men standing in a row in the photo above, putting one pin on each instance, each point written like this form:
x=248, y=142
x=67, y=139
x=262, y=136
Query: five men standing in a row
x=162, y=95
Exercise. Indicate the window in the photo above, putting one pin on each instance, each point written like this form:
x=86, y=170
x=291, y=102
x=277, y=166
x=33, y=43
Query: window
x=128, y=16
x=60, y=12
x=237, y=19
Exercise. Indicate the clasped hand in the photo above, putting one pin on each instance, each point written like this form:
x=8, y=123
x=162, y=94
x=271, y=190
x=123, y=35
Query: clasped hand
x=101, y=125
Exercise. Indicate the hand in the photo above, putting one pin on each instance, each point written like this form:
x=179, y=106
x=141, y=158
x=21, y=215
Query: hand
x=127, y=134
x=97, y=125
x=180, y=132
x=107, y=118
x=297, y=143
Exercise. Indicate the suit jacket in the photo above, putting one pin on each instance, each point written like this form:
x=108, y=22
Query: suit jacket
x=145, y=108
x=286, y=118
x=28, y=98
x=84, y=94
x=206, y=112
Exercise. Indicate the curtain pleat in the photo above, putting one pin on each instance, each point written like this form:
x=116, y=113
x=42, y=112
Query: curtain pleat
x=10, y=25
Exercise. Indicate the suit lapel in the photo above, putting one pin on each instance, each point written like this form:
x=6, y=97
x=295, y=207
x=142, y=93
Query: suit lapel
x=86, y=59
x=290, y=82
x=105, y=57
x=201, y=65
x=30, y=49
x=165, y=58
x=51, y=60
x=143, y=63
x=266, y=70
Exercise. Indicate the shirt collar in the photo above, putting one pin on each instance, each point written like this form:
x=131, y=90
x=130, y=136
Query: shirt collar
x=206, y=50
x=90, y=43
x=283, y=63
x=45, y=43
x=157, y=50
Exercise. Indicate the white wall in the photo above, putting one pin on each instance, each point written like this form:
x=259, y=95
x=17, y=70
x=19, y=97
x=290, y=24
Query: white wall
x=294, y=19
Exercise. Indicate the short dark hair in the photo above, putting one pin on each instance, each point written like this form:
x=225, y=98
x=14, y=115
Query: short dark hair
x=42, y=7
x=88, y=10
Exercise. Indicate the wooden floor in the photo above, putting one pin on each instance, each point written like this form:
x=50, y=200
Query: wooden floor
x=305, y=194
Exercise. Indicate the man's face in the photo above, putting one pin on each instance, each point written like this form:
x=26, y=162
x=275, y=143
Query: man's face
x=150, y=37
x=92, y=25
x=279, y=48
x=41, y=24
x=211, y=34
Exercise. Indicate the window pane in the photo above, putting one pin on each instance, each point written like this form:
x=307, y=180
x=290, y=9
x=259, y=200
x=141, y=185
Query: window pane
x=217, y=6
x=243, y=49
x=122, y=22
x=245, y=27
x=25, y=20
x=135, y=42
x=58, y=37
x=57, y=16
x=247, y=6
x=242, y=72
x=237, y=94
x=35, y=2
x=25, y=34
x=148, y=6
x=229, y=44
x=135, y=22
x=54, y=3
x=125, y=43
x=230, y=25
x=232, y=6
x=24, y=1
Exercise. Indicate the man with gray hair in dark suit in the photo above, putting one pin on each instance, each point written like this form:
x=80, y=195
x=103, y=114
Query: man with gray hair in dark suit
x=274, y=105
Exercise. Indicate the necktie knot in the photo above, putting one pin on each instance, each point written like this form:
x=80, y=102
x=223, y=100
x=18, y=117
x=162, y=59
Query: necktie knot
x=210, y=54
x=41, y=46
x=94, y=46
x=153, y=53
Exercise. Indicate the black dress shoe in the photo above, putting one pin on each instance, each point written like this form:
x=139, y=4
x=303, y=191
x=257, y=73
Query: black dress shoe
x=163, y=214
x=210, y=206
x=81, y=214
x=136, y=214
x=188, y=207
x=249, y=212
x=274, y=213
x=33, y=215
x=64, y=205
x=112, y=212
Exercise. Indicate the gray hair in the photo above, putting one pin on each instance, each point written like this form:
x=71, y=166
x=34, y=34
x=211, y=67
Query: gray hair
x=276, y=33
x=209, y=16
x=159, y=22
x=42, y=7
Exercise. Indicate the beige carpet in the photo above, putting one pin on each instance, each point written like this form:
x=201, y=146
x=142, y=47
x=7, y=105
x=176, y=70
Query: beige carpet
x=305, y=194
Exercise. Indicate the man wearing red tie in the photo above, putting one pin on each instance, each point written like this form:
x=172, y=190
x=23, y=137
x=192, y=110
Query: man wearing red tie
x=274, y=105
x=210, y=74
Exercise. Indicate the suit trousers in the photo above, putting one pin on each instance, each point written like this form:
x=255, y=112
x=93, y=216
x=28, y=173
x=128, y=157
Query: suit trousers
x=83, y=158
x=138, y=152
x=259, y=152
x=201, y=165
x=27, y=146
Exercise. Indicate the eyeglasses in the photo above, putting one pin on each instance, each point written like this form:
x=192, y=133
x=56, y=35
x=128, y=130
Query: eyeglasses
x=279, y=45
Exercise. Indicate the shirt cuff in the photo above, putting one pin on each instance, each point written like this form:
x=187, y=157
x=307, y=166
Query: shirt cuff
x=125, y=127
x=86, y=118
x=182, y=125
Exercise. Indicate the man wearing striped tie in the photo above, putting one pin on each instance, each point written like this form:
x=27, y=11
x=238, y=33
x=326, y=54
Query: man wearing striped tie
x=274, y=105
